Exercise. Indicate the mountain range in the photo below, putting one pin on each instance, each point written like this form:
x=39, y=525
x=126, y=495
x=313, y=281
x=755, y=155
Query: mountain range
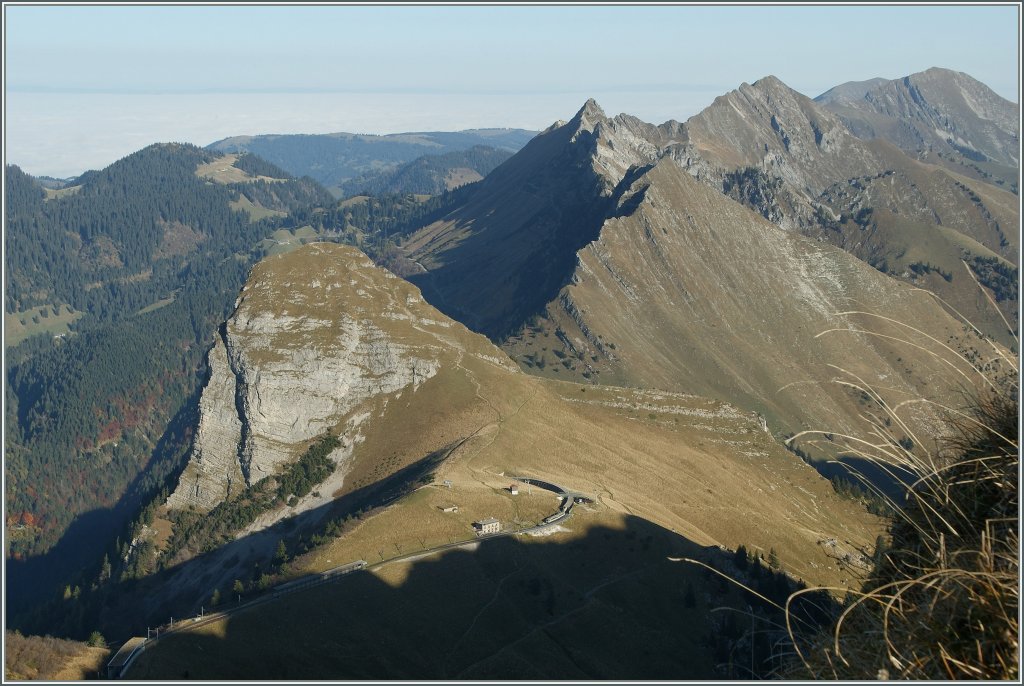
x=620, y=246
x=938, y=115
x=635, y=315
x=333, y=159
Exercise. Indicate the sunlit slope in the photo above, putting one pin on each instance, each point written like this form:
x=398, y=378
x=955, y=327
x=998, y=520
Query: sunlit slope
x=688, y=290
x=913, y=213
x=684, y=473
x=673, y=459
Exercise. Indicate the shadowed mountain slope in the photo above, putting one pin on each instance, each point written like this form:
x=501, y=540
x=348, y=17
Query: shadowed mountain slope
x=605, y=601
x=498, y=259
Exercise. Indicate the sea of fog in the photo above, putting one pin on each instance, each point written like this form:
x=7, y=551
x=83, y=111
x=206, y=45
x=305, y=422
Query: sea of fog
x=64, y=134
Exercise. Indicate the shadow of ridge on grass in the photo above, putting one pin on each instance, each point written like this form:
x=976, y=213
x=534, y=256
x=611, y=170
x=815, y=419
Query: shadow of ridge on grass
x=607, y=605
x=123, y=609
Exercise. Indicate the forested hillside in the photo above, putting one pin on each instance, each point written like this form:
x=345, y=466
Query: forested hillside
x=121, y=241
x=148, y=255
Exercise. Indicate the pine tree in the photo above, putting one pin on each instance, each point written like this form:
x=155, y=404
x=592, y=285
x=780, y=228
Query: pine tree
x=281, y=554
x=740, y=557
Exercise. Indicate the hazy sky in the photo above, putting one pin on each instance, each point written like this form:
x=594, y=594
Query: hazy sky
x=85, y=85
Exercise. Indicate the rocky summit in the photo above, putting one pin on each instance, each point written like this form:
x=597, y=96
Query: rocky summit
x=296, y=357
x=937, y=110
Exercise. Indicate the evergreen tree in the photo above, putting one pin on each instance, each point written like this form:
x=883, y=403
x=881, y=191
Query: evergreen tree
x=740, y=557
x=281, y=554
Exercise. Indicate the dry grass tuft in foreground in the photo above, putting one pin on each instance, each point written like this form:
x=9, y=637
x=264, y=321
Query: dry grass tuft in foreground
x=943, y=599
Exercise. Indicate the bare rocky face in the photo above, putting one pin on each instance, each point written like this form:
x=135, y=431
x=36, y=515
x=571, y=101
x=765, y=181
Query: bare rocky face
x=298, y=356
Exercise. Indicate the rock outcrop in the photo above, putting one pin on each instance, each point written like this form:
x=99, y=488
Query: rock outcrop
x=287, y=369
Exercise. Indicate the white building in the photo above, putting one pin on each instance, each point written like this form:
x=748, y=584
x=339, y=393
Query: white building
x=487, y=526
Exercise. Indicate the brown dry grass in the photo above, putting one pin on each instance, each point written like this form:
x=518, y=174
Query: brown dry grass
x=45, y=657
x=418, y=522
x=943, y=600
x=691, y=465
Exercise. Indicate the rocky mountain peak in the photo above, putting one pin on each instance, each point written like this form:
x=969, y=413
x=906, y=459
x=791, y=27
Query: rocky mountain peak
x=587, y=119
x=769, y=125
x=315, y=335
x=937, y=110
x=770, y=82
x=590, y=111
x=850, y=91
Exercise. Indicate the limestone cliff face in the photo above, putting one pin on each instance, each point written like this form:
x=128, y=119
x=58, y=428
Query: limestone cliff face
x=214, y=470
x=314, y=335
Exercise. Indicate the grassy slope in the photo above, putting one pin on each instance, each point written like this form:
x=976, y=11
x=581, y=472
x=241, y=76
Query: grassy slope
x=683, y=473
x=694, y=293
x=903, y=242
x=21, y=325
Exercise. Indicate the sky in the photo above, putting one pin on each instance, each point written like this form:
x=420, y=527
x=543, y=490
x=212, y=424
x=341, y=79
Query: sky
x=85, y=85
